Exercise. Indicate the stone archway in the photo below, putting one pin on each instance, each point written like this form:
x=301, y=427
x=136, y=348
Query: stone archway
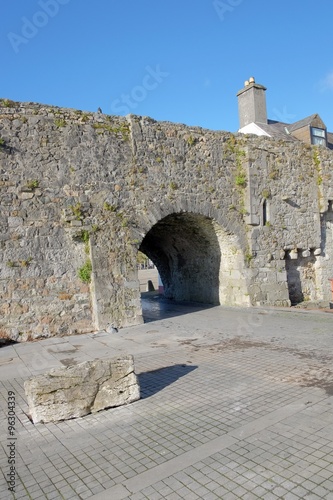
x=197, y=260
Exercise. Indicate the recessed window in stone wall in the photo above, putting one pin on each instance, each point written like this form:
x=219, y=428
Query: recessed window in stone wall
x=264, y=212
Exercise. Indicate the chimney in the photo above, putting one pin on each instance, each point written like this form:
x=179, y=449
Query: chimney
x=252, y=103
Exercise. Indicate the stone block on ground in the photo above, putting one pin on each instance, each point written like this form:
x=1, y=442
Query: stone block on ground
x=88, y=387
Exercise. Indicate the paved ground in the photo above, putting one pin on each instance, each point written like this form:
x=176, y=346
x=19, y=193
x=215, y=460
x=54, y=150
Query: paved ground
x=236, y=404
x=144, y=275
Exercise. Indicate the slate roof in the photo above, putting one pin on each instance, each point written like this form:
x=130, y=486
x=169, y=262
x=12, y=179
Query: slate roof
x=301, y=123
x=281, y=130
x=277, y=130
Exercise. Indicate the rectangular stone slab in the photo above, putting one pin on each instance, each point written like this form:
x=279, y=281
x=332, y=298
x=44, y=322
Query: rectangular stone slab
x=88, y=387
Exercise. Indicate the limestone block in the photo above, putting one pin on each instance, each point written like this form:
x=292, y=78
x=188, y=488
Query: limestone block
x=281, y=277
x=15, y=221
x=293, y=254
x=306, y=253
x=26, y=195
x=77, y=390
x=235, y=274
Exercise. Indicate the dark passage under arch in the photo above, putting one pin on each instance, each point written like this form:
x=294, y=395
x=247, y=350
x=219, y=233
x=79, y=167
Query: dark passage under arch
x=186, y=251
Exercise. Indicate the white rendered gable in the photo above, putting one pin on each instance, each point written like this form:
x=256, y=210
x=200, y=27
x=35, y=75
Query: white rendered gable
x=253, y=128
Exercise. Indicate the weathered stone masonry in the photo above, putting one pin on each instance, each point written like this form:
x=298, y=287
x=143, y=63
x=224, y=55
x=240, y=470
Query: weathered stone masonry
x=228, y=219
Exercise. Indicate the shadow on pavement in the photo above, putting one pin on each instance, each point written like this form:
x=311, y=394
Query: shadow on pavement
x=6, y=342
x=155, y=307
x=156, y=380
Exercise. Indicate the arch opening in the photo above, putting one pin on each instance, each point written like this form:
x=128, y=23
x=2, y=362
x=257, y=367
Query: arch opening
x=147, y=273
x=197, y=260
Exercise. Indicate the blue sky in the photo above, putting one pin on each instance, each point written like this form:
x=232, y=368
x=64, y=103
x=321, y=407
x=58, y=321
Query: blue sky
x=176, y=60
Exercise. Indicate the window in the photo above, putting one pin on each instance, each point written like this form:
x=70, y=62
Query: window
x=318, y=136
x=265, y=213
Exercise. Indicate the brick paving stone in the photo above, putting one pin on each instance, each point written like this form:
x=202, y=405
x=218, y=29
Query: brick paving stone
x=68, y=492
x=291, y=496
x=85, y=495
x=259, y=491
x=325, y=473
x=249, y=485
x=137, y=496
x=53, y=495
x=312, y=496
x=19, y=494
x=288, y=485
x=328, y=485
x=97, y=489
x=270, y=496
x=230, y=496
x=210, y=496
x=249, y=496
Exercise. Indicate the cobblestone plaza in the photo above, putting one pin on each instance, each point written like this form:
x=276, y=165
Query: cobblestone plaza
x=235, y=404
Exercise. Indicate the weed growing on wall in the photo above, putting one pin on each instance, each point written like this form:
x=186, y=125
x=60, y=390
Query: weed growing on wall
x=33, y=184
x=77, y=211
x=85, y=271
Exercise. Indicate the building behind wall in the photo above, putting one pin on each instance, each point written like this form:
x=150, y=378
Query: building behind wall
x=305, y=267
x=253, y=119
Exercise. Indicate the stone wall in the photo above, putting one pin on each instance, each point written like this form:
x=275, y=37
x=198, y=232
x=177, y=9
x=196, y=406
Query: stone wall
x=224, y=217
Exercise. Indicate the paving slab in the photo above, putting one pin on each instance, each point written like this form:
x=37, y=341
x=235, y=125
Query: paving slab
x=235, y=403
